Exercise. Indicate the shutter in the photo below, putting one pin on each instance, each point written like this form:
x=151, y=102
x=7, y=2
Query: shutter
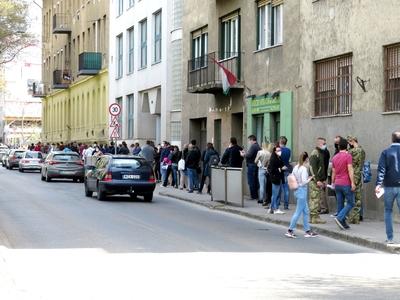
x=266, y=2
x=276, y=2
x=230, y=17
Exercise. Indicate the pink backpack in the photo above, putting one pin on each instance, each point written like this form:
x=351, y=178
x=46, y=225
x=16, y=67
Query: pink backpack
x=292, y=182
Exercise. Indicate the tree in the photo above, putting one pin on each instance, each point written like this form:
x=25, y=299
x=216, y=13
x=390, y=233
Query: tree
x=14, y=24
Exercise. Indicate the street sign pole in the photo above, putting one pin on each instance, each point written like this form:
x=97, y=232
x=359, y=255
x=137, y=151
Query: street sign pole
x=114, y=110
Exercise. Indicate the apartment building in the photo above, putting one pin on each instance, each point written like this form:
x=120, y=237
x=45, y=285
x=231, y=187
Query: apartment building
x=350, y=72
x=74, y=83
x=146, y=68
x=258, y=41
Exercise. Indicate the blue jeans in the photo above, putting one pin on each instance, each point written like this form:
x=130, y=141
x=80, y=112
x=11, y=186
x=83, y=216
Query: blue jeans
x=391, y=194
x=175, y=175
x=285, y=188
x=252, y=180
x=344, y=192
x=192, y=175
x=276, y=190
x=163, y=173
x=301, y=208
x=262, y=182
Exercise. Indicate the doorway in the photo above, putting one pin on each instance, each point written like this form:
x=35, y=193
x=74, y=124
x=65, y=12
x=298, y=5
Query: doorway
x=275, y=126
x=217, y=135
x=237, y=127
x=198, y=132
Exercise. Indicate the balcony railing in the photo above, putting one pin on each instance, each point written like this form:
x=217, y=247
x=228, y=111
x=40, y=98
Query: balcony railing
x=61, y=79
x=204, y=73
x=90, y=63
x=40, y=89
x=61, y=23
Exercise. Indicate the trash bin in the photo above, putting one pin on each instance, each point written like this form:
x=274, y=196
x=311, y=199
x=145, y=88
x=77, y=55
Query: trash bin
x=226, y=185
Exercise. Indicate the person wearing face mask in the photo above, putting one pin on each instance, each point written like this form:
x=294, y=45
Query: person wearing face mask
x=358, y=155
x=276, y=169
x=317, y=170
x=324, y=208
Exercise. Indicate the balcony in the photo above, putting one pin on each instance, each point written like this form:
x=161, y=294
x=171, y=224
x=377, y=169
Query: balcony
x=61, y=23
x=89, y=63
x=61, y=79
x=204, y=75
x=39, y=90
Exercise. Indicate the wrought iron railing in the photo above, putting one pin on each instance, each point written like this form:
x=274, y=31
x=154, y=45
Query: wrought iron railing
x=61, y=23
x=61, y=78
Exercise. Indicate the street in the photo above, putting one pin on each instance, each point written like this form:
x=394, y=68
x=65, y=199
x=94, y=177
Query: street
x=59, y=244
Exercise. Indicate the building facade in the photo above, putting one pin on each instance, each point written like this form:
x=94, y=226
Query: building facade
x=74, y=83
x=258, y=41
x=350, y=72
x=146, y=69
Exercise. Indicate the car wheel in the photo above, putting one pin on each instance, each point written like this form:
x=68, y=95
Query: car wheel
x=100, y=194
x=21, y=170
x=48, y=179
x=75, y=179
x=41, y=176
x=148, y=197
x=87, y=192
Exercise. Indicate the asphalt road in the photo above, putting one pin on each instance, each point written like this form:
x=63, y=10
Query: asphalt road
x=60, y=244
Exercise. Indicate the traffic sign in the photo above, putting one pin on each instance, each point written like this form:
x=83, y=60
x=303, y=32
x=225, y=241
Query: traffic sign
x=115, y=133
x=114, y=109
x=114, y=122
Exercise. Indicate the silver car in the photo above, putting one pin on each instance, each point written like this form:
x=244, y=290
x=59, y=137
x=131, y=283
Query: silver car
x=31, y=160
x=3, y=150
x=61, y=164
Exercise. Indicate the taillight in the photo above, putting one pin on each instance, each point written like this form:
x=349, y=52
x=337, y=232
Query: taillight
x=108, y=177
x=152, y=179
x=12, y=157
x=80, y=163
x=52, y=162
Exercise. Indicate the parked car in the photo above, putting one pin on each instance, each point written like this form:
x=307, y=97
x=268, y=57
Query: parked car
x=31, y=160
x=120, y=174
x=60, y=164
x=13, y=158
x=3, y=150
x=5, y=157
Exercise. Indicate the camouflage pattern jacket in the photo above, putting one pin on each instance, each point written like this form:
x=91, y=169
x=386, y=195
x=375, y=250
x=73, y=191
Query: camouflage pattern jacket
x=317, y=165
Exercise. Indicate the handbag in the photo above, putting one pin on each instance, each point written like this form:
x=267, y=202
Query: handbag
x=292, y=182
x=181, y=165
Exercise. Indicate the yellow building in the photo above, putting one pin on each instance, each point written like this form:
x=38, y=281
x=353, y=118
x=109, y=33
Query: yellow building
x=74, y=83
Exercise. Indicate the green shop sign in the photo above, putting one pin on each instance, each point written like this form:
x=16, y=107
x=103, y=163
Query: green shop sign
x=264, y=105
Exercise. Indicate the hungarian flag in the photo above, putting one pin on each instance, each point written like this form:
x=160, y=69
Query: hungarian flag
x=227, y=77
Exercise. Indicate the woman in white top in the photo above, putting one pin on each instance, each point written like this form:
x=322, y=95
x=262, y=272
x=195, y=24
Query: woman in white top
x=300, y=171
x=261, y=161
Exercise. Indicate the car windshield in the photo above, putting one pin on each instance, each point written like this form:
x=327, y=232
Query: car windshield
x=66, y=157
x=129, y=163
x=19, y=154
x=33, y=155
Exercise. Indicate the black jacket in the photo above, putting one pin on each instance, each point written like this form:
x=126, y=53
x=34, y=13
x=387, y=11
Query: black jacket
x=193, y=158
x=275, y=169
x=232, y=157
x=124, y=150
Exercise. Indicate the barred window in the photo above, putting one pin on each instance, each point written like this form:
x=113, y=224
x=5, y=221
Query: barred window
x=333, y=86
x=175, y=130
x=392, y=78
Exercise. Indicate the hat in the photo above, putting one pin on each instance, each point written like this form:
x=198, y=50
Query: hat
x=352, y=138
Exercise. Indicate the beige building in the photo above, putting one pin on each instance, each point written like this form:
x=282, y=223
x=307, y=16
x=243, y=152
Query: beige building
x=259, y=42
x=74, y=83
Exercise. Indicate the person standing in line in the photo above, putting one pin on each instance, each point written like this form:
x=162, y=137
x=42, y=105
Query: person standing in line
x=276, y=167
x=148, y=152
x=300, y=172
x=324, y=207
x=183, y=181
x=124, y=150
x=175, y=156
x=136, y=149
x=157, y=162
x=262, y=160
x=208, y=157
x=252, y=169
x=389, y=178
x=232, y=156
x=192, y=163
x=317, y=170
x=358, y=155
x=343, y=181
x=286, y=154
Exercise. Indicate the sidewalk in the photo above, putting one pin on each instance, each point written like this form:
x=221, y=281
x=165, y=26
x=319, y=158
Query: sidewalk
x=368, y=233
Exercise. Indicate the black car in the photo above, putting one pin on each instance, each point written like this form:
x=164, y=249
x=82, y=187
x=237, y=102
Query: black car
x=118, y=175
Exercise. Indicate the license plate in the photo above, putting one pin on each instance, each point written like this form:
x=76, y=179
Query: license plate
x=131, y=176
x=67, y=172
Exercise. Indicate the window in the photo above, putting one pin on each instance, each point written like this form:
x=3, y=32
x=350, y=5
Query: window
x=130, y=116
x=269, y=23
x=143, y=43
x=119, y=55
x=157, y=37
x=333, y=86
x=392, y=78
x=131, y=3
x=199, y=48
x=120, y=120
x=130, y=42
x=176, y=130
x=120, y=7
x=230, y=36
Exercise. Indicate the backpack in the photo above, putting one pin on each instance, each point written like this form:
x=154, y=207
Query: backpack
x=214, y=160
x=366, y=172
x=292, y=182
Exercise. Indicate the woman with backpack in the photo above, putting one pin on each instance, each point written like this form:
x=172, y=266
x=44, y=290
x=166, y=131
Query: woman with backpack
x=276, y=169
x=210, y=157
x=300, y=173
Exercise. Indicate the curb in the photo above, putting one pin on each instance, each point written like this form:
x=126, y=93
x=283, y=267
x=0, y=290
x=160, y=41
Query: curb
x=325, y=232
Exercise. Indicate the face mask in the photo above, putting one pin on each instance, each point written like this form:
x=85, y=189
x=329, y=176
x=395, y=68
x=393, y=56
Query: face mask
x=323, y=147
x=279, y=153
x=351, y=146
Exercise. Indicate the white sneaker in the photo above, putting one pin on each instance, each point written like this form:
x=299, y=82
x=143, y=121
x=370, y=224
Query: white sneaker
x=279, y=212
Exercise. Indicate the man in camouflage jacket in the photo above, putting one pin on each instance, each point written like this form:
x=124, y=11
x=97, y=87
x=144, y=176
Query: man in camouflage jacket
x=358, y=155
